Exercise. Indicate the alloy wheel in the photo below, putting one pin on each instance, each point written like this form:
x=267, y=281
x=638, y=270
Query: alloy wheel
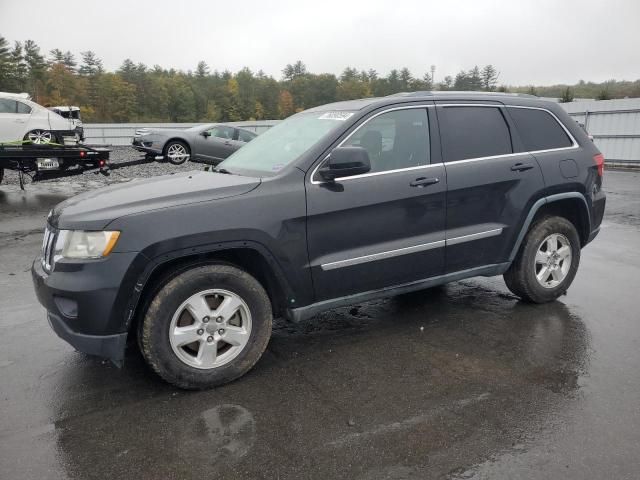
x=40, y=136
x=553, y=260
x=177, y=153
x=210, y=328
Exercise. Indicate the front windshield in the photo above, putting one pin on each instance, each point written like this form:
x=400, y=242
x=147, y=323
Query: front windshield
x=280, y=145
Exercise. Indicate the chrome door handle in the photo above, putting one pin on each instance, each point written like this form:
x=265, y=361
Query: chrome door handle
x=424, y=181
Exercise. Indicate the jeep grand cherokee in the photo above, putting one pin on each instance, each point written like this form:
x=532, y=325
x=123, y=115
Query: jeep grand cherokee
x=336, y=205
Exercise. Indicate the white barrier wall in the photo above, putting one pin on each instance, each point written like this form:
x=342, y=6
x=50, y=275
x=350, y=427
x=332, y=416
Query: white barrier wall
x=614, y=124
x=122, y=133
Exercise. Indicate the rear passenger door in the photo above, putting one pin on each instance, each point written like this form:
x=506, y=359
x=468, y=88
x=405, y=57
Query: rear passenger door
x=490, y=188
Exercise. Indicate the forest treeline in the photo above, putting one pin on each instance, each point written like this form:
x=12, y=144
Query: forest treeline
x=138, y=93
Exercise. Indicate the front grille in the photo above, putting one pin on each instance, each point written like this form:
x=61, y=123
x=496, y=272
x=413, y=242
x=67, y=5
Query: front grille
x=48, y=245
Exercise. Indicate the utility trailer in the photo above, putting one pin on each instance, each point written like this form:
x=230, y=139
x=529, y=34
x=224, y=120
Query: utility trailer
x=43, y=161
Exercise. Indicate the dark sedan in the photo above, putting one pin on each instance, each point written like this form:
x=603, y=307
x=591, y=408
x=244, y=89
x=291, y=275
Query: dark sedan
x=210, y=143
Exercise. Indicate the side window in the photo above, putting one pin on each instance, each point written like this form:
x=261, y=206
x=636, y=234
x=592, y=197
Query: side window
x=394, y=140
x=222, y=131
x=538, y=129
x=7, y=106
x=473, y=132
x=23, y=108
x=245, y=136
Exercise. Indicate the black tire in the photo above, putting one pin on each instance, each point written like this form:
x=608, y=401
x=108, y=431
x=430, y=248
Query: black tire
x=154, y=331
x=173, y=160
x=521, y=276
x=1, y=174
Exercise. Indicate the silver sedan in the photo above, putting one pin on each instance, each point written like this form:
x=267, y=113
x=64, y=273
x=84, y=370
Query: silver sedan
x=210, y=143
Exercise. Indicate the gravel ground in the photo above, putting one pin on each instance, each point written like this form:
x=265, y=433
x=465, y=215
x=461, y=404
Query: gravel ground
x=119, y=160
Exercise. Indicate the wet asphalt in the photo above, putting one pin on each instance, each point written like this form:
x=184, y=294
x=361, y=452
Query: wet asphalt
x=457, y=382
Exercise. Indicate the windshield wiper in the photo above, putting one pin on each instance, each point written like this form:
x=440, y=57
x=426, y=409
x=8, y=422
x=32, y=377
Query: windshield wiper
x=221, y=170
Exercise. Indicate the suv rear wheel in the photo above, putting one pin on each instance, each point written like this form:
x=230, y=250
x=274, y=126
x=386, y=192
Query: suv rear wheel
x=206, y=327
x=547, y=261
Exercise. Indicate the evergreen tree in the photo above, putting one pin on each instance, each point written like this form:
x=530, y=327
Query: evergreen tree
x=292, y=71
x=91, y=64
x=5, y=62
x=69, y=61
x=489, y=78
x=36, y=68
x=405, y=79
x=202, y=70
x=56, y=56
x=475, y=79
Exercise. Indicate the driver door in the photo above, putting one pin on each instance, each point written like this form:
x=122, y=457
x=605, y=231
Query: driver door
x=217, y=145
x=385, y=227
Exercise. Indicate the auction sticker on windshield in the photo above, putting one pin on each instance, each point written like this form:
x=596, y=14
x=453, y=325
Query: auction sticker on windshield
x=340, y=116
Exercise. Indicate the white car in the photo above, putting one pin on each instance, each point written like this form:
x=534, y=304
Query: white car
x=22, y=119
x=73, y=114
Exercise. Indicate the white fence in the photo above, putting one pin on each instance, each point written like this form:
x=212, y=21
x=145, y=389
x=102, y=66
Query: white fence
x=122, y=133
x=614, y=124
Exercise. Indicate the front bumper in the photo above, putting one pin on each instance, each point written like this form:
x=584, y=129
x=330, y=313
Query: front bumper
x=145, y=146
x=106, y=346
x=86, y=302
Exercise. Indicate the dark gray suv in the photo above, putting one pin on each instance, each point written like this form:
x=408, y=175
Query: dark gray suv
x=336, y=205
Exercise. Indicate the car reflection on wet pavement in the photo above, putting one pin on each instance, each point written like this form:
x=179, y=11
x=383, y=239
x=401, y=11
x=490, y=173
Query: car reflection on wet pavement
x=462, y=381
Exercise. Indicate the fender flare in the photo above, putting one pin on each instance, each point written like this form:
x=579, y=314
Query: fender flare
x=534, y=209
x=153, y=264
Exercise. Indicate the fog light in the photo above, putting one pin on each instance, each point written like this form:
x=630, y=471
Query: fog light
x=67, y=306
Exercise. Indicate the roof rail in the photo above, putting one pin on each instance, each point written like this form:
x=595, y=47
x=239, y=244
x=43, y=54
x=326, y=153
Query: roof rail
x=427, y=93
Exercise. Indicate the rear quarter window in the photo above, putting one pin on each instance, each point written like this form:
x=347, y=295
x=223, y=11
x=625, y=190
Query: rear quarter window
x=538, y=129
x=23, y=108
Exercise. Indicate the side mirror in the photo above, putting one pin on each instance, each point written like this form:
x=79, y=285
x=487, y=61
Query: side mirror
x=206, y=133
x=345, y=162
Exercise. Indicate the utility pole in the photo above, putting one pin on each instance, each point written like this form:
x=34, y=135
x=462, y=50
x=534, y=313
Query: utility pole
x=433, y=76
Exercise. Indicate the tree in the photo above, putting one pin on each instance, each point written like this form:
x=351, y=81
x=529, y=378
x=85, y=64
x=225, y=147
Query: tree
x=292, y=71
x=91, y=64
x=5, y=58
x=489, y=77
x=447, y=83
x=202, y=70
x=405, y=79
x=69, y=61
x=567, y=96
x=36, y=68
x=17, y=70
x=462, y=81
x=285, y=104
x=56, y=55
x=532, y=90
x=475, y=79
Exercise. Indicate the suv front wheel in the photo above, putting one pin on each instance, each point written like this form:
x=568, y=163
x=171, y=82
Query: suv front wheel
x=547, y=261
x=206, y=327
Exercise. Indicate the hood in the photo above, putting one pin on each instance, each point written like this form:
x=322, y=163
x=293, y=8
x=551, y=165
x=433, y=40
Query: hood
x=96, y=209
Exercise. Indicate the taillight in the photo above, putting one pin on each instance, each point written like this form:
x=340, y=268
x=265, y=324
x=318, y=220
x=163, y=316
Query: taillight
x=599, y=161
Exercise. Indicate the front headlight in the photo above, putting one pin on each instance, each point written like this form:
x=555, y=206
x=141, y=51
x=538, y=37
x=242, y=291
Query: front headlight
x=80, y=244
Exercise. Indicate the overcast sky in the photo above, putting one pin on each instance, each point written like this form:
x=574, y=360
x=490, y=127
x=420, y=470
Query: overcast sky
x=529, y=41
